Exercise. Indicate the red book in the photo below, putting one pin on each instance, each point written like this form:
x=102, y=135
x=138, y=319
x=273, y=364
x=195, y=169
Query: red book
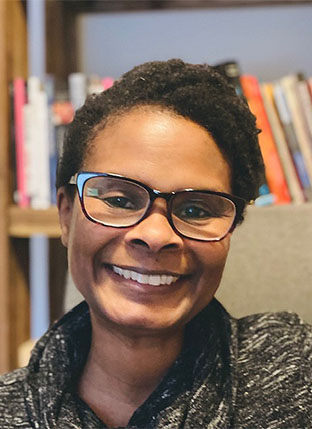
x=19, y=92
x=274, y=171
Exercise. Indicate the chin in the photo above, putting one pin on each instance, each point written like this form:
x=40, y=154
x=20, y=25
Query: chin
x=142, y=320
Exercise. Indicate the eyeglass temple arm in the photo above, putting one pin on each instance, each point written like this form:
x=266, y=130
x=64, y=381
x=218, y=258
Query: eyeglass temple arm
x=73, y=180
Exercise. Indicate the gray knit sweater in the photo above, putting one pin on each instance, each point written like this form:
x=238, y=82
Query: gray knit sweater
x=254, y=372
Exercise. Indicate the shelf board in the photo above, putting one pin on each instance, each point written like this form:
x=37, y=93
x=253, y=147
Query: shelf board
x=25, y=222
x=95, y=6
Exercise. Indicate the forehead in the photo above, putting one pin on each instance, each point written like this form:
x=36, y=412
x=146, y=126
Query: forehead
x=163, y=150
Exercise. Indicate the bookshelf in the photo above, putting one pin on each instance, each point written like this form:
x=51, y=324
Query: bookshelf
x=14, y=307
x=18, y=225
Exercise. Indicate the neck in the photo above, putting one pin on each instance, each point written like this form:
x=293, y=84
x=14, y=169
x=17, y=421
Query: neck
x=123, y=369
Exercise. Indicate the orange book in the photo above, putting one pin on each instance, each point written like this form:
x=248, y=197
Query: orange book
x=274, y=171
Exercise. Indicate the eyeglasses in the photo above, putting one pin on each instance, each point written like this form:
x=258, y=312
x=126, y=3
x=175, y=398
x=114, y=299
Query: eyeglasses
x=119, y=202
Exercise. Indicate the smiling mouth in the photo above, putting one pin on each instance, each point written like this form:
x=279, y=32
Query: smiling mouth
x=144, y=278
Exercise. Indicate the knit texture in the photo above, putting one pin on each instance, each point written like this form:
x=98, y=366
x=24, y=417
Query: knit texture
x=254, y=372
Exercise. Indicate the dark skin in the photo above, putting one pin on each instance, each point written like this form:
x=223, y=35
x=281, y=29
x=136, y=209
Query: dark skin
x=137, y=329
x=129, y=372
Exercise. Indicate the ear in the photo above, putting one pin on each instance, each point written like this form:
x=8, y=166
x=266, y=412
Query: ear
x=65, y=207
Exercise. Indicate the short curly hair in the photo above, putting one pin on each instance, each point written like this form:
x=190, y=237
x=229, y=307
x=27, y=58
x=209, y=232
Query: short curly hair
x=194, y=91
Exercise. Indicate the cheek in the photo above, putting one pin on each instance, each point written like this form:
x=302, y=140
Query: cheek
x=85, y=240
x=88, y=245
x=211, y=257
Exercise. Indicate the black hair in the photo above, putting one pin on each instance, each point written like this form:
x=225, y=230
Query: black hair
x=194, y=91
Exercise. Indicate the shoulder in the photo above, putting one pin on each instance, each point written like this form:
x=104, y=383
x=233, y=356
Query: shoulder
x=274, y=369
x=275, y=332
x=12, y=398
x=12, y=381
x=278, y=340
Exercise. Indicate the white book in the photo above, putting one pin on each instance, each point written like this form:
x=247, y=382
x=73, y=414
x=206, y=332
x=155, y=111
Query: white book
x=30, y=166
x=95, y=85
x=39, y=144
x=77, y=83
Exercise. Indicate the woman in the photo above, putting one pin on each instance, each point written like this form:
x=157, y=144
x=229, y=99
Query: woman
x=154, y=178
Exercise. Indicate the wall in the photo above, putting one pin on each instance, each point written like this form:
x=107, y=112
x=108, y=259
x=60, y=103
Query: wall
x=268, y=41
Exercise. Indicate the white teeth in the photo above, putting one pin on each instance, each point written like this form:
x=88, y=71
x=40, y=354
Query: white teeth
x=154, y=280
x=150, y=279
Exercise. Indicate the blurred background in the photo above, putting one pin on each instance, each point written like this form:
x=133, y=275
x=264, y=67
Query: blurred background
x=55, y=51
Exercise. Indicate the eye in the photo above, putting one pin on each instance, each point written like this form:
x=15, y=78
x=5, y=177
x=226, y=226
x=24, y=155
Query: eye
x=119, y=202
x=193, y=212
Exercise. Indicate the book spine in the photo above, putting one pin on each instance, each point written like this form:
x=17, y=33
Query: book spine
x=39, y=144
x=107, y=82
x=274, y=171
x=309, y=84
x=285, y=118
x=77, y=83
x=63, y=114
x=49, y=89
x=231, y=71
x=19, y=92
x=289, y=85
x=306, y=102
x=293, y=181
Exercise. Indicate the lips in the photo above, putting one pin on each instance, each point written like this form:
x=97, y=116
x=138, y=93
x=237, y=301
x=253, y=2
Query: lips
x=146, y=278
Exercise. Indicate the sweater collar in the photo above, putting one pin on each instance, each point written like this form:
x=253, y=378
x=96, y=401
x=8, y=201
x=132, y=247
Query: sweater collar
x=197, y=390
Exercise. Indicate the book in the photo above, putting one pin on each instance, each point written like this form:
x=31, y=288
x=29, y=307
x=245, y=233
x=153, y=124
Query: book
x=286, y=120
x=289, y=85
x=95, y=85
x=309, y=83
x=38, y=144
x=53, y=155
x=19, y=99
x=273, y=168
x=107, y=82
x=305, y=101
x=63, y=114
x=77, y=84
x=231, y=71
x=289, y=168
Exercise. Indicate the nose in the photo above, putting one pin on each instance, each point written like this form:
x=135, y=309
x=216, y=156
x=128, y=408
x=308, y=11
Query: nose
x=154, y=233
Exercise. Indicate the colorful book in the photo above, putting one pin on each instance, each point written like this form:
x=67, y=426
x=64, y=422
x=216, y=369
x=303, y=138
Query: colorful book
x=107, y=82
x=19, y=96
x=63, y=114
x=274, y=171
x=289, y=85
x=286, y=121
x=289, y=168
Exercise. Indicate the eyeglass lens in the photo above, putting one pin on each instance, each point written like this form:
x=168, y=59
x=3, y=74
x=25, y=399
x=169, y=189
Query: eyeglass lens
x=117, y=202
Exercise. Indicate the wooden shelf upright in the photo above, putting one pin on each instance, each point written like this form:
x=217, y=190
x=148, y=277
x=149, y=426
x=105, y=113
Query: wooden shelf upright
x=13, y=294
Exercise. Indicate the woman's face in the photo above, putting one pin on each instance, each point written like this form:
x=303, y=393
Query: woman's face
x=167, y=153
